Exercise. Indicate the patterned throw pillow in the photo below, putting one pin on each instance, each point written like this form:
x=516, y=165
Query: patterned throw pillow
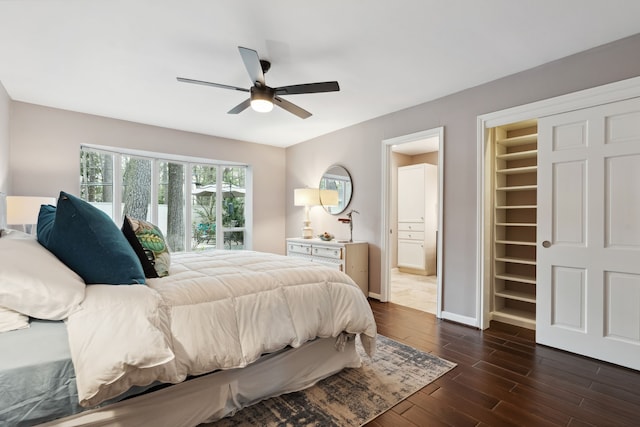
x=147, y=241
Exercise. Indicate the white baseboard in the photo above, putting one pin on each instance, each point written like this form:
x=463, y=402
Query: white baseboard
x=469, y=321
x=374, y=295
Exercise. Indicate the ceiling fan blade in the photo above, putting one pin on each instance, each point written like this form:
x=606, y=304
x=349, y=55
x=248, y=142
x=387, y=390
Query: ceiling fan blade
x=240, y=107
x=252, y=64
x=308, y=88
x=292, y=108
x=200, y=82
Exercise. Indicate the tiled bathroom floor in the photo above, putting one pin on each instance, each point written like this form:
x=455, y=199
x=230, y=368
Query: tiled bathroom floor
x=414, y=291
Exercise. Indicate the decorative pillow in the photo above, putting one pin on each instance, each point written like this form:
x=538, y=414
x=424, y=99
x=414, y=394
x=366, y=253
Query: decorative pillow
x=35, y=283
x=147, y=241
x=88, y=242
x=12, y=320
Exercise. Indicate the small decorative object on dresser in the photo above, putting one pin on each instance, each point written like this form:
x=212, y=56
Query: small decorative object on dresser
x=326, y=236
x=349, y=257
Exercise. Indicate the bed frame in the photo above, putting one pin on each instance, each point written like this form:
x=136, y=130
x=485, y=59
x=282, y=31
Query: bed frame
x=222, y=393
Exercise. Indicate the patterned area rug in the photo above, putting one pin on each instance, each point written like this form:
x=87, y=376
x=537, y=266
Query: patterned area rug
x=352, y=397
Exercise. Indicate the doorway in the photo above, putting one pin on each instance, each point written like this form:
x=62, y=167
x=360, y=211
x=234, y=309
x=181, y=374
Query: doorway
x=418, y=287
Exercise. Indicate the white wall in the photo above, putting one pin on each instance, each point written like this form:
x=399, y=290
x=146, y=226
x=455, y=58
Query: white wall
x=5, y=103
x=358, y=148
x=45, y=149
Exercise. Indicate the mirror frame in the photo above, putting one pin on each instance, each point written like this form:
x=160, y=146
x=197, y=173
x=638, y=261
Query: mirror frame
x=344, y=196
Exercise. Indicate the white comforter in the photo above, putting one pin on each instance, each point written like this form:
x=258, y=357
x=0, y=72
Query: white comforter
x=216, y=310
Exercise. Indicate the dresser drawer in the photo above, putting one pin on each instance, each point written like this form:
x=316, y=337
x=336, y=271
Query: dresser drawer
x=298, y=249
x=411, y=226
x=411, y=235
x=331, y=263
x=334, y=253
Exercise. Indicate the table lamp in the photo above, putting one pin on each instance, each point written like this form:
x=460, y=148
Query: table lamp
x=306, y=197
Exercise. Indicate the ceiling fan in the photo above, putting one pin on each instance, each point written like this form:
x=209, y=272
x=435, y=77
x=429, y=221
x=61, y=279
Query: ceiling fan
x=262, y=97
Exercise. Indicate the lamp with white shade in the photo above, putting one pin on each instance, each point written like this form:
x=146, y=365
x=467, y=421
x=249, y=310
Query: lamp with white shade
x=329, y=198
x=306, y=197
x=24, y=210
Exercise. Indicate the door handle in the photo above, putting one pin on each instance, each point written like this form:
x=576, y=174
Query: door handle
x=546, y=244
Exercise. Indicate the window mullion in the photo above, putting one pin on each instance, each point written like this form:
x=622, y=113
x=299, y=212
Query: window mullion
x=188, y=204
x=219, y=196
x=117, y=188
x=155, y=184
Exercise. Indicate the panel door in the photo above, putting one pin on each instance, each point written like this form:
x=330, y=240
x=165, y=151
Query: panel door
x=588, y=271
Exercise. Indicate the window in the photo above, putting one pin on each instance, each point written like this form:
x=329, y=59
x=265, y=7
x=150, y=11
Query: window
x=179, y=195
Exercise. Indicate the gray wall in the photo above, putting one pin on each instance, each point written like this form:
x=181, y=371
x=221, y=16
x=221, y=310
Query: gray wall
x=358, y=148
x=45, y=146
x=4, y=140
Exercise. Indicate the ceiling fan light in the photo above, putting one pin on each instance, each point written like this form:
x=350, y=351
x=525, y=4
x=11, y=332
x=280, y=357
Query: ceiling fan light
x=261, y=105
x=262, y=99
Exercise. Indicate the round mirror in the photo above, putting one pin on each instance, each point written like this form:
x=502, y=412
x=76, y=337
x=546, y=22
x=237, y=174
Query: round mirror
x=335, y=189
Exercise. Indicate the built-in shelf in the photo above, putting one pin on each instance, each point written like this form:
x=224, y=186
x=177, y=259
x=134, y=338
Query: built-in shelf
x=522, y=318
x=530, y=154
x=515, y=242
x=517, y=207
x=518, y=188
x=517, y=171
x=515, y=197
x=516, y=278
x=517, y=296
x=515, y=260
x=519, y=140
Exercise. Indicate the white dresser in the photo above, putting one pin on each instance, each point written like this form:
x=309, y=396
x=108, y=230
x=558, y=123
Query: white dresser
x=351, y=258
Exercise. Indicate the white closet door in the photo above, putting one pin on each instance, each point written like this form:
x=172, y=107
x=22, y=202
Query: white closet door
x=411, y=193
x=588, y=271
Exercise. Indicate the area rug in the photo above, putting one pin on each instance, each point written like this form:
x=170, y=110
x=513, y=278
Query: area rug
x=352, y=397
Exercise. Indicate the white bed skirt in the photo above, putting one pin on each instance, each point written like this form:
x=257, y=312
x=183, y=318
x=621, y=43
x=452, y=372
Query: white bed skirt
x=222, y=393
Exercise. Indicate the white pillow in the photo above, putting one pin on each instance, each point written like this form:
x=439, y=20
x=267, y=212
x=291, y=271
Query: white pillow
x=36, y=283
x=12, y=320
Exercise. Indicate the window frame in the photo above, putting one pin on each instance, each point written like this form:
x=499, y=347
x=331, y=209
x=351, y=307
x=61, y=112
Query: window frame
x=188, y=163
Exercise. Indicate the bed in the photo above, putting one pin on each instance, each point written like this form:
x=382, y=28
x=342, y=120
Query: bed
x=223, y=330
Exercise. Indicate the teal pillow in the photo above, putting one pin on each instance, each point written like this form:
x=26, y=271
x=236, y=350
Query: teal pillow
x=88, y=242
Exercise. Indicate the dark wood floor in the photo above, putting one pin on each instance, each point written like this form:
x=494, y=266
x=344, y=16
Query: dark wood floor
x=504, y=379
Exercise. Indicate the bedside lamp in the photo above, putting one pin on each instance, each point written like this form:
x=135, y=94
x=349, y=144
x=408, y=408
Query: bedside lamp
x=306, y=197
x=329, y=198
x=22, y=210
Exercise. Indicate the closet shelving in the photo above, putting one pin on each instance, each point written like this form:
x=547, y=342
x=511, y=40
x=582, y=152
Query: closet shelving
x=514, y=219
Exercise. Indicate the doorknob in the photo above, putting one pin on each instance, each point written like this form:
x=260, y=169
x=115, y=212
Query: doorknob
x=546, y=244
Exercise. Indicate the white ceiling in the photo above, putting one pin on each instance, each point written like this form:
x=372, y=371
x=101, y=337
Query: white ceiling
x=421, y=146
x=120, y=58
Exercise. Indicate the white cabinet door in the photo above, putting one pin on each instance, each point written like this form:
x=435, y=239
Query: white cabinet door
x=411, y=193
x=588, y=274
x=411, y=254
